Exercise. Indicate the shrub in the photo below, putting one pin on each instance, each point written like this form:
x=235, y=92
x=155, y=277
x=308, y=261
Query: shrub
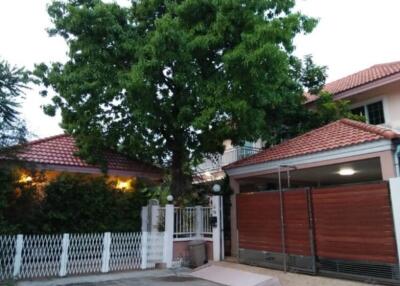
x=73, y=203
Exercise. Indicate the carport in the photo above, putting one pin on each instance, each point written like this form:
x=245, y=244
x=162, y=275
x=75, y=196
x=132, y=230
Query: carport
x=319, y=203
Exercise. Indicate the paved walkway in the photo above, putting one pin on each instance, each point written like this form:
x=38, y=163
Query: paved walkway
x=293, y=279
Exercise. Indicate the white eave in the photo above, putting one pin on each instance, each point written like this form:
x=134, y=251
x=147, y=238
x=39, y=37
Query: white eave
x=338, y=153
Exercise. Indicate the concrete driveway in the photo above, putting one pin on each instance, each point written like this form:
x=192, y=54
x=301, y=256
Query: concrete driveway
x=138, y=278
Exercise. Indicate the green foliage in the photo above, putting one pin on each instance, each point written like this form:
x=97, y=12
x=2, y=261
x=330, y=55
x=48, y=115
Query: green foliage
x=169, y=81
x=13, y=81
x=81, y=203
x=297, y=118
x=69, y=203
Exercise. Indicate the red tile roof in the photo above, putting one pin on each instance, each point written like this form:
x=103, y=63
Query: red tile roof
x=360, y=78
x=341, y=133
x=61, y=149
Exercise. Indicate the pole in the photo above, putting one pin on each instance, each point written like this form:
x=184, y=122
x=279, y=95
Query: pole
x=282, y=220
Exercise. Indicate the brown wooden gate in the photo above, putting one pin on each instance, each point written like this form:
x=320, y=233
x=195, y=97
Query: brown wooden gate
x=354, y=231
x=263, y=241
x=345, y=230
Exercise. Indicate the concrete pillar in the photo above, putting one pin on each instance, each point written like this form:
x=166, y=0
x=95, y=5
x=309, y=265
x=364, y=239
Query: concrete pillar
x=216, y=233
x=234, y=231
x=169, y=235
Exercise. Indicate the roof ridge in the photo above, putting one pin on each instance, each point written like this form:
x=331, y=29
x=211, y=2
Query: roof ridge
x=382, y=131
x=45, y=139
x=384, y=64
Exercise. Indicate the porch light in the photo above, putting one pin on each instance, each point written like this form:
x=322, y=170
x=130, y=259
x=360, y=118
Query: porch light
x=123, y=185
x=346, y=172
x=25, y=179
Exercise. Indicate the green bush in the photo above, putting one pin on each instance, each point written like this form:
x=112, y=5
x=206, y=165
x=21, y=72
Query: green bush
x=70, y=203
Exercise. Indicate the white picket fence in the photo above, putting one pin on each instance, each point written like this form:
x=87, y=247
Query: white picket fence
x=33, y=256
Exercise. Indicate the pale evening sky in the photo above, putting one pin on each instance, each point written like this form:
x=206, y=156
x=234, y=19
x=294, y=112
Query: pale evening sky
x=351, y=35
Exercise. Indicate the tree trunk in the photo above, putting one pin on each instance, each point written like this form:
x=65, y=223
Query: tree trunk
x=180, y=181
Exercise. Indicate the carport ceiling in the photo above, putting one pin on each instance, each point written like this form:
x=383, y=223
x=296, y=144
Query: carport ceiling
x=365, y=170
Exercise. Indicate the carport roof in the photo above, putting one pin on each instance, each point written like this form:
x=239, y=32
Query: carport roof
x=338, y=134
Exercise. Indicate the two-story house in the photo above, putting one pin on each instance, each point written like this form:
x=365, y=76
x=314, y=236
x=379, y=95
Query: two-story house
x=373, y=92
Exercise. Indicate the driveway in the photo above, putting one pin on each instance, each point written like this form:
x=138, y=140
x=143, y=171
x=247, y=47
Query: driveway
x=182, y=277
x=138, y=278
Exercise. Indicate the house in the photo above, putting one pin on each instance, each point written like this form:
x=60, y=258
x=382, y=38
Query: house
x=56, y=154
x=322, y=196
x=373, y=93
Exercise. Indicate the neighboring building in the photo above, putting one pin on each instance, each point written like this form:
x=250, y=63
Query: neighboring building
x=373, y=93
x=56, y=154
x=211, y=169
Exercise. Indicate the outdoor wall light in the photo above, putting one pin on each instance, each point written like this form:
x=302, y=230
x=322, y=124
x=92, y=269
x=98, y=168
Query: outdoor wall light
x=170, y=198
x=25, y=179
x=216, y=188
x=123, y=185
x=346, y=172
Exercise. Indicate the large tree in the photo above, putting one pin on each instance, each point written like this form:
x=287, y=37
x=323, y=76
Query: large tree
x=169, y=80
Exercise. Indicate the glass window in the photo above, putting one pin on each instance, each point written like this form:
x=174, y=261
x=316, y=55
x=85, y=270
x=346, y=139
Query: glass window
x=375, y=113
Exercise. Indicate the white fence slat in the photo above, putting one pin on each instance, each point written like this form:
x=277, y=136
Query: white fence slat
x=18, y=255
x=64, y=255
x=105, y=267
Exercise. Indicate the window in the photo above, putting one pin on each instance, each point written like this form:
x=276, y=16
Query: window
x=373, y=112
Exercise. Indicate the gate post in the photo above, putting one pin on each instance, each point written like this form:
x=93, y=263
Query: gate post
x=144, y=246
x=169, y=235
x=199, y=221
x=216, y=233
x=394, y=187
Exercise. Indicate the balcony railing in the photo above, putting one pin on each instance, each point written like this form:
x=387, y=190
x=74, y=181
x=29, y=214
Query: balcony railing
x=229, y=156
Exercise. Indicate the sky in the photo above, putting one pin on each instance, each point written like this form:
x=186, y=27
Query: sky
x=351, y=35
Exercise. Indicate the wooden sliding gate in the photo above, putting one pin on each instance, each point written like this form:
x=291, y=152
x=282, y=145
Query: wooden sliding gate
x=341, y=230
